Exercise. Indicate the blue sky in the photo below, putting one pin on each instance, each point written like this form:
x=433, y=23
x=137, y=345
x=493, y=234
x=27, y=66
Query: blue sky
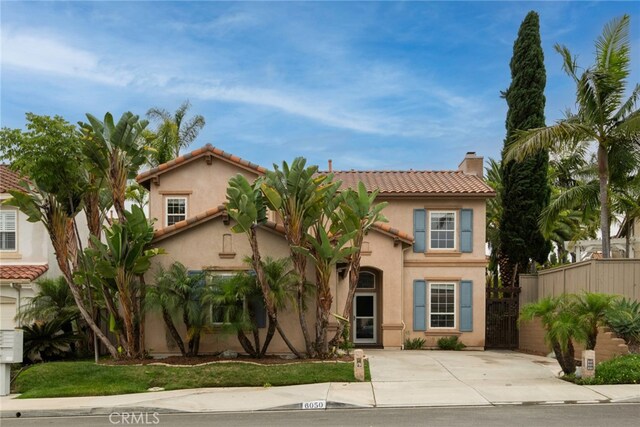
x=367, y=84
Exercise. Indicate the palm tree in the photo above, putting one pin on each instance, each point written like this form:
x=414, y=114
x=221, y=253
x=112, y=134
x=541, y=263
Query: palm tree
x=240, y=299
x=174, y=133
x=53, y=300
x=48, y=340
x=603, y=116
x=178, y=294
x=561, y=327
x=494, y=213
x=356, y=212
x=298, y=196
x=592, y=309
x=246, y=205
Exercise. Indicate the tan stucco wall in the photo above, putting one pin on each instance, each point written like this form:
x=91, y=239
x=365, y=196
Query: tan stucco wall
x=398, y=266
x=199, y=249
x=205, y=186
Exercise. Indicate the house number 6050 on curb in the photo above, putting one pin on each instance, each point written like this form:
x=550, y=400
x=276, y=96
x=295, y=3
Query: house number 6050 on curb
x=314, y=404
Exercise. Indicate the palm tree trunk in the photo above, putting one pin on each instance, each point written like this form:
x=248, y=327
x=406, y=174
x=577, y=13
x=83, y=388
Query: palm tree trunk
x=173, y=331
x=347, y=311
x=287, y=342
x=61, y=246
x=603, y=174
x=271, y=330
x=246, y=343
x=300, y=266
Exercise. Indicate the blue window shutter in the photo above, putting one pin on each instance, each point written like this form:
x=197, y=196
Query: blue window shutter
x=466, y=306
x=419, y=305
x=466, y=230
x=419, y=230
x=260, y=312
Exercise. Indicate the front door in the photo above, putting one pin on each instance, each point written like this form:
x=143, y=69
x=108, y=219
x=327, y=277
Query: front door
x=364, y=318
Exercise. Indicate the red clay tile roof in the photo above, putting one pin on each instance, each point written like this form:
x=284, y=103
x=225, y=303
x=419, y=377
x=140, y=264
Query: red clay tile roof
x=22, y=272
x=384, y=227
x=178, y=226
x=217, y=211
x=416, y=183
x=207, y=149
x=9, y=179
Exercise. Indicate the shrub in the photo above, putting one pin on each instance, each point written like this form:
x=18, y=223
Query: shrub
x=623, y=369
x=450, y=343
x=414, y=344
x=624, y=320
x=46, y=341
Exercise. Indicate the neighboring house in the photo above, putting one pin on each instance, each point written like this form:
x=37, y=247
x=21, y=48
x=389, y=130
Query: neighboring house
x=26, y=253
x=622, y=246
x=422, y=275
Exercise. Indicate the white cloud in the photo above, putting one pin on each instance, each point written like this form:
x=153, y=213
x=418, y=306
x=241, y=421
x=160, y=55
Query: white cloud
x=44, y=54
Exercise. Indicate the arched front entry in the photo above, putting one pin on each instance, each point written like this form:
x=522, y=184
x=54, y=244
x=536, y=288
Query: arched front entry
x=367, y=308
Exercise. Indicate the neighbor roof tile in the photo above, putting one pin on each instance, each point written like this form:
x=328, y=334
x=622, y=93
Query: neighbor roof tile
x=22, y=272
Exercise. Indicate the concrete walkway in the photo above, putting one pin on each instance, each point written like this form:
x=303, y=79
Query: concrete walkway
x=399, y=379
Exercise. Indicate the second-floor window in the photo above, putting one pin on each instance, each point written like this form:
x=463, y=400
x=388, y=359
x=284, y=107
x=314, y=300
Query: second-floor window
x=442, y=230
x=8, y=230
x=176, y=209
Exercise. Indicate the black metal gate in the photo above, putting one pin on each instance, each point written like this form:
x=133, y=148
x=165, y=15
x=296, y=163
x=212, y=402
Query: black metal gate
x=502, y=318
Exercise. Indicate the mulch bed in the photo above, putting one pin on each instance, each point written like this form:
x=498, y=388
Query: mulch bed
x=199, y=360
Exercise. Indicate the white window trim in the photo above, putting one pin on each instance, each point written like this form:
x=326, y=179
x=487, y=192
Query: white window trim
x=455, y=231
x=375, y=284
x=455, y=305
x=166, y=208
x=15, y=231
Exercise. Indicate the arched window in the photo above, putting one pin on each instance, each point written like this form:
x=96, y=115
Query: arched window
x=367, y=280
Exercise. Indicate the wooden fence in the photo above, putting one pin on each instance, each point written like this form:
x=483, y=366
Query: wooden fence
x=609, y=276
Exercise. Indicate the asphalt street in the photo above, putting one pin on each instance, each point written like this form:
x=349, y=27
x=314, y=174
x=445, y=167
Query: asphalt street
x=583, y=415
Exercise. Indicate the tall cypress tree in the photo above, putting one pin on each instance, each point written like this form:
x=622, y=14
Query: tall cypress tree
x=526, y=190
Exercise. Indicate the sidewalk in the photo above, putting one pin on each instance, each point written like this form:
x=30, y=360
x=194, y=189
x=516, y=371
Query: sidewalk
x=399, y=379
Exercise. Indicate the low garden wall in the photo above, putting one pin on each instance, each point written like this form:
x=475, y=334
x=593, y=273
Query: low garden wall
x=532, y=341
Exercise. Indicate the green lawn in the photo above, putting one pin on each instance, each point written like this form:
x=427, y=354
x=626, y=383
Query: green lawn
x=64, y=379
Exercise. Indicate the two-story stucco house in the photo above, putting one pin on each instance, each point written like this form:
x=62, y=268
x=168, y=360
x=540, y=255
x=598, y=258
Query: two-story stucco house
x=423, y=272
x=26, y=253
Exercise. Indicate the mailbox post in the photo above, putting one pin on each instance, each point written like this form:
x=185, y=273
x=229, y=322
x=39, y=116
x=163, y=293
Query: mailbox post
x=358, y=365
x=588, y=363
x=10, y=352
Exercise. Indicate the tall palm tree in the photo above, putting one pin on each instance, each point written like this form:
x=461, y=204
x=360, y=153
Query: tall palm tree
x=603, y=116
x=174, y=132
x=494, y=213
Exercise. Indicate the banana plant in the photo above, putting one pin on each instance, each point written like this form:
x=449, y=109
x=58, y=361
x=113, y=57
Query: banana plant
x=246, y=205
x=326, y=252
x=297, y=194
x=57, y=217
x=116, y=152
x=356, y=213
x=120, y=260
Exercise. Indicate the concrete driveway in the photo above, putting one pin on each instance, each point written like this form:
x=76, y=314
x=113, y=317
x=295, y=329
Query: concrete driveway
x=413, y=378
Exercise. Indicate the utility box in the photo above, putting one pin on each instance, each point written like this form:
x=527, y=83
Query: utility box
x=588, y=363
x=10, y=352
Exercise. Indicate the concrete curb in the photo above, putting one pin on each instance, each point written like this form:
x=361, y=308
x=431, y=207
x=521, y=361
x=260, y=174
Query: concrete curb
x=329, y=406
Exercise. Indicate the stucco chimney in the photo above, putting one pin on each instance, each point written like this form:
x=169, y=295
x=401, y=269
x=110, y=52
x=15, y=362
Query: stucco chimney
x=330, y=166
x=472, y=164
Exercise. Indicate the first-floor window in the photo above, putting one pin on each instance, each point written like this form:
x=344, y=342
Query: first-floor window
x=8, y=220
x=442, y=307
x=176, y=209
